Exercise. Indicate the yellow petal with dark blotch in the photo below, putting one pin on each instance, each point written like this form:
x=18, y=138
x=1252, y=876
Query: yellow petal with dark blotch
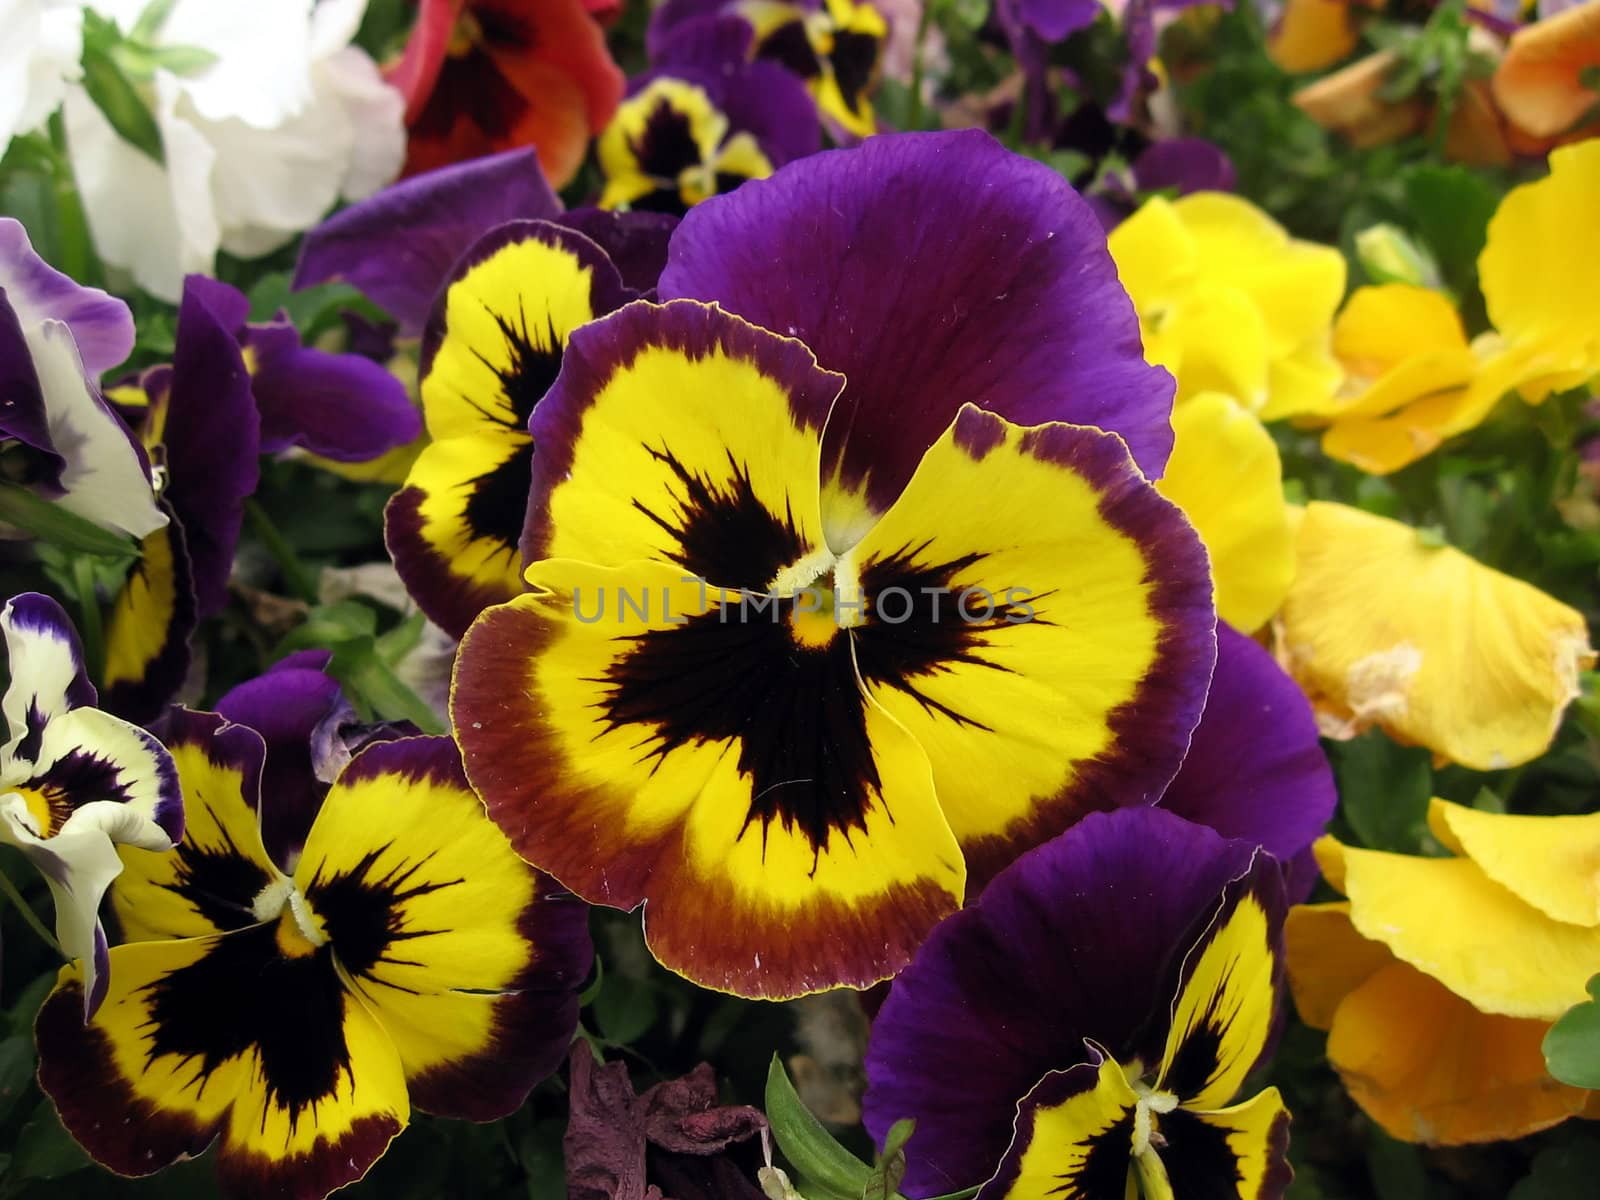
x=643, y=738
x=1074, y=1138
x=1382, y=628
x=1240, y=1153
x=1226, y=476
x=209, y=883
x=453, y=529
x=1552, y=863
x=1222, y=1014
x=667, y=127
x=152, y=619
x=1039, y=618
x=468, y=958
x=1327, y=959
x=1430, y=1068
x=683, y=434
x=1448, y=919
x=223, y=1034
x=495, y=341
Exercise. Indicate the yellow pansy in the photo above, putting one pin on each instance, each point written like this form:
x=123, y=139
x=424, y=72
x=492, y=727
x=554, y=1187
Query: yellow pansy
x=1413, y=379
x=1438, y=977
x=1226, y=475
x=1229, y=302
x=1382, y=628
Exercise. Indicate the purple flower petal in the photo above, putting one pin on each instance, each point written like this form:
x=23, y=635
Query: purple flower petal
x=1187, y=164
x=285, y=706
x=102, y=325
x=44, y=662
x=761, y=98
x=341, y=406
x=212, y=439
x=1077, y=939
x=636, y=242
x=397, y=247
x=1255, y=769
x=22, y=411
x=1055, y=20
x=931, y=270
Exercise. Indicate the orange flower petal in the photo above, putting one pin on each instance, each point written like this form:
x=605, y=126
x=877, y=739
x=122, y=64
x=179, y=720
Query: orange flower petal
x=1537, y=83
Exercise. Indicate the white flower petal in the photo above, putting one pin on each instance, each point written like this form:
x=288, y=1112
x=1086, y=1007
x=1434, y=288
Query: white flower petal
x=262, y=73
x=43, y=46
x=88, y=758
x=103, y=479
x=45, y=662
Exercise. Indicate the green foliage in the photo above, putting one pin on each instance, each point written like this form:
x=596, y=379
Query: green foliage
x=1572, y=1047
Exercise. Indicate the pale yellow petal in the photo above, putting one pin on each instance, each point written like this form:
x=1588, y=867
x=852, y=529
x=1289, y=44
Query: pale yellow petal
x=1552, y=863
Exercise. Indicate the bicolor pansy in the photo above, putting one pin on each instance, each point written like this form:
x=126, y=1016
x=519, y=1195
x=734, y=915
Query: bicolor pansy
x=75, y=782
x=790, y=703
x=1111, y=992
x=407, y=959
x=198, y=421
x=491, y=351
x=669, y=147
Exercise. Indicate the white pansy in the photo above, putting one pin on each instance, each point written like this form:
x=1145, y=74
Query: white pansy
x=249, y=162
x=41, y=42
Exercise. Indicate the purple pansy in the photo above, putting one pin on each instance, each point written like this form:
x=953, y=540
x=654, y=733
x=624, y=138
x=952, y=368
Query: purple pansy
x=75, y=782
x=1135, y=947
x=101, y=324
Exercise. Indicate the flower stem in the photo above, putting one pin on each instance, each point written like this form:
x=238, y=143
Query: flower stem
x=89, y=623
x=295, y=574
x=28, y=915
x=914, y=118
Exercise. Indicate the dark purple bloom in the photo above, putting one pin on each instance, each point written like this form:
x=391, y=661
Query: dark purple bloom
x=1085, y=947
x=341, y=406
x=677, y=1139
x=906, y=265
x=398, y=247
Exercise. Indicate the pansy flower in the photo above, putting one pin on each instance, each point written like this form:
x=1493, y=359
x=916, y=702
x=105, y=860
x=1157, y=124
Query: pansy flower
x=687, y=132
x=834, y=46
x=860, y=635
x=513, y=276
x=1415, y=380
x=1438, y=978
x=1543, y=83
x=481, y=76
x=1229, y=302
x=1471, y=663
x=297, y=1015
x=75, y=782
x=1090, y=1022
x=198, y=420
x=58, y=437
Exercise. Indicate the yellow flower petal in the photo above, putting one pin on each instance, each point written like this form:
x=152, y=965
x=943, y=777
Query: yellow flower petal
x=1226, y=476
x=1327, y=960
x=1448, y=919
x=1536, y=268
x=1425, y=642
x=1430, y=1068
x=1311, y=35
x=1552, y=863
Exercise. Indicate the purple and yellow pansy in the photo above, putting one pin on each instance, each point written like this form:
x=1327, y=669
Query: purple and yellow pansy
x=1085, y=1029
x=75, y=782
x=816, y=644
x=296, y=1011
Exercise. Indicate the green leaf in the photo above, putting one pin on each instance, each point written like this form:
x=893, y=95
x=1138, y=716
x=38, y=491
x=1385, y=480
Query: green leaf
x=50, y=522
x=1561, y=1172
x=829, y=1171
x=44, y=1149
x=890, y=1168
x=16, y=1072
x=114, y=93
x=372, y=684
x=1572, y=1047
x=1449, y=208
x=1384, y=790
x=149, y=22
x=625, y=1009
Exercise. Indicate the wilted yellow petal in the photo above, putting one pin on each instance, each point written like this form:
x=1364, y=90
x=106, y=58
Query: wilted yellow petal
x=1226, y=476
x=1381, y=628
x=1539, y=83
x=1430, y=1068
x=1452, y=922
x=1349, y=102
x=1552, y=863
